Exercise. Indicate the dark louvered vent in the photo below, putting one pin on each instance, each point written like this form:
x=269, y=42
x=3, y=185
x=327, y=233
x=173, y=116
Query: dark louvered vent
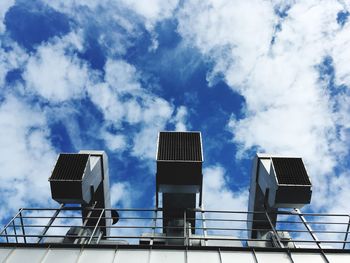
x=290, y=171
x=179, y=146
x=70, y=167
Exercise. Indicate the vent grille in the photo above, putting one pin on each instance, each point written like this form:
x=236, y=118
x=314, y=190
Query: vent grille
x=70, y=167
x=179, y=146
x=290, y=171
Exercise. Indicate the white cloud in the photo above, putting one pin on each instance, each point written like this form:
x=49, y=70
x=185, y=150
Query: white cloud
x=55, y=75
x=68, y=5
x=10, y=60
x=180, y=119
x=339, y=201
x=115, y=29
x=114, y=142
x=153, y=10
x=121, y=195
x=233, y=33
x=288, y=109
x=122, y=76
x=216, y=189
x=5, y=5
x=111, y=23
x=107, y=101
x=26, y=154
x=341, y=55
x=156, y=113
x=121, y=98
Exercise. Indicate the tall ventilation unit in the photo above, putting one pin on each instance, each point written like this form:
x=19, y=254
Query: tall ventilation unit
x=82, y=178
x=276, y=182
x=179, y=178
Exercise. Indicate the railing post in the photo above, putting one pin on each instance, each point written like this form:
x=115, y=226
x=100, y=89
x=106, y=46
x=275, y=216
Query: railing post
x=185, y=229
x=95, y=228
x=204, y=225
x=84, y=225
x=274, y=230
x=99, y=238
x=47, y=227
x=7, y=238
x=14, y=231
x=346, y=234
x=278, y=237
x=314, y=237
x=154, y=226
x=22, y=226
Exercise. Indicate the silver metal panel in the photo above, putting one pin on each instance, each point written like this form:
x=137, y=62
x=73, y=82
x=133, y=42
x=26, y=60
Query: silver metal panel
x=97, y=255
x=4, y=253
x=56, y=255
x=168, y=256
x=338, y=257
x=32, y=255
x=203, y=256
x=268, y=257
x=223, y=243
x=132, y=256
x=235, y=256
x=308, y=258
x=105, y=176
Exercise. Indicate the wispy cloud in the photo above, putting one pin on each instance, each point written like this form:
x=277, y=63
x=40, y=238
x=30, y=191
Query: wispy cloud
x=288, y=61
x=288, y=108
x=4, y=7
x=25, y=152
x=217, y=188
x=55, y=76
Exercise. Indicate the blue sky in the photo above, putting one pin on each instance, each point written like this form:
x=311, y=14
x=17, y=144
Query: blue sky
x=267, y=76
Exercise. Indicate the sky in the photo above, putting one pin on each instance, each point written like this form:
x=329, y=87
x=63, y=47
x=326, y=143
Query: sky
x=252, y=76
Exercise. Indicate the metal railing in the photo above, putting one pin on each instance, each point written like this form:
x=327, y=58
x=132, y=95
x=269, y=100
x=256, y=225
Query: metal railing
x=293, y=229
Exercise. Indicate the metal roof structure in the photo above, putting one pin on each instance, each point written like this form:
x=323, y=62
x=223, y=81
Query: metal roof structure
x=84, y=228
x=220, y=236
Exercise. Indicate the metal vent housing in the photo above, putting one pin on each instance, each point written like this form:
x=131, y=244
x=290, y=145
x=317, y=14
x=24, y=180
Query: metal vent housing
x=82, y=178
x=179, y=175
x=75, y=178
x=276, y=182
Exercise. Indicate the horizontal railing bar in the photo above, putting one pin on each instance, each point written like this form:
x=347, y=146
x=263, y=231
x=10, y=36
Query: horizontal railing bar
x=212, y=219
x=91, y=217
x=225, y=219
x=76, y=208
x=283, y=212
x=312, y=222
x=197, y=219
x=278, y=221
x=194, y=210
x=192, y=238
x=195, y=228
x=87, y=227
x=33, y=235
x=319, y=241
x=180, y=227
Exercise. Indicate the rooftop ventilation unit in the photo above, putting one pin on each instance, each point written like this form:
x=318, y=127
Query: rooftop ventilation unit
x=276, y=182
x=82, y=178
x=179, y=176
